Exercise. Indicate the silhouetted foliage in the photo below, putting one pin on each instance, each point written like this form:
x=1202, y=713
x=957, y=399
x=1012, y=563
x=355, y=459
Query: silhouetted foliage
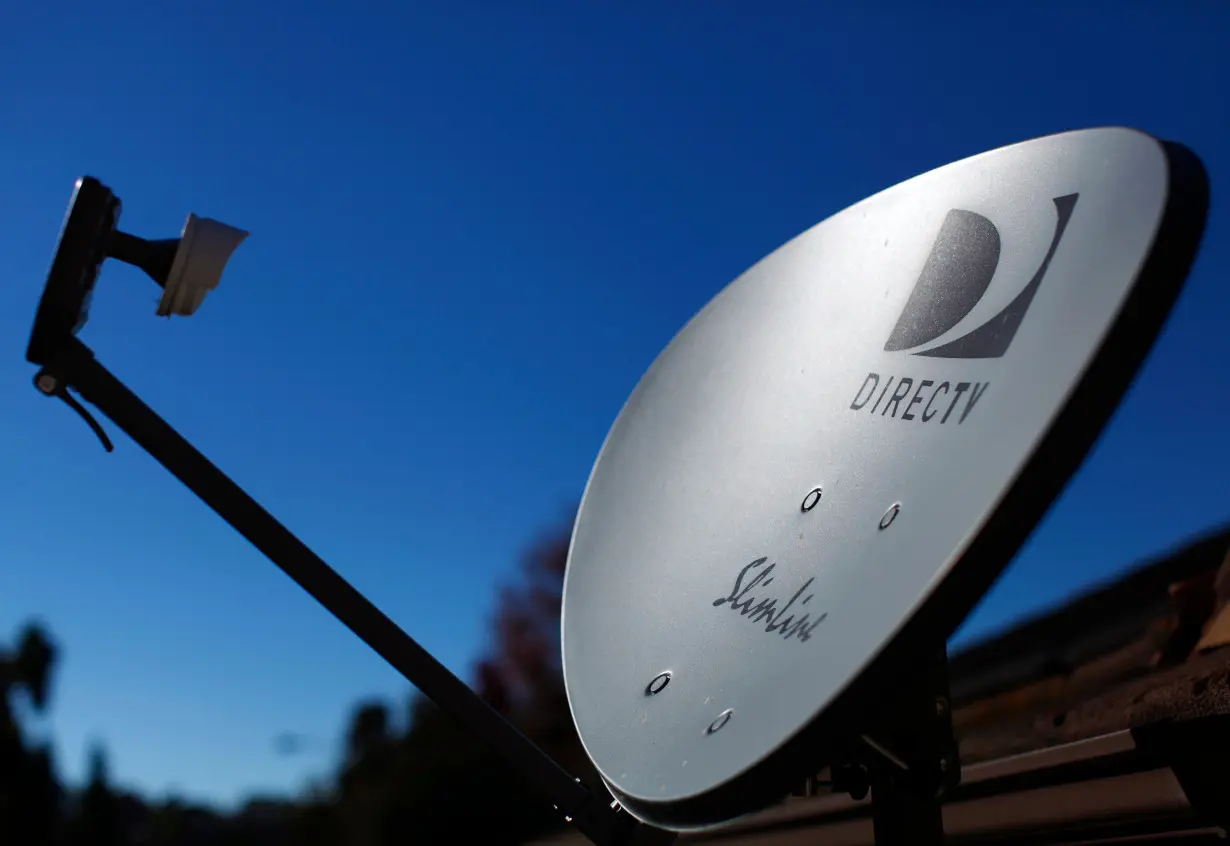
x=431, y=783
x=29, y=791
x=438, y=781
x=98, y=819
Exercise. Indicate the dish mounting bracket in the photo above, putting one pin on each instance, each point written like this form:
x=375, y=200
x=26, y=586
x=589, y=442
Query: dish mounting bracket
x=906, y=757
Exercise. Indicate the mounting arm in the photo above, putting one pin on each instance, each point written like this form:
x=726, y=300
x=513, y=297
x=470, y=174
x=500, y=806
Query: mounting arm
x=74, y=366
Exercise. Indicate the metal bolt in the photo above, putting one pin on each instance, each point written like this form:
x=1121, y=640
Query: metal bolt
x=812, y=499
x=658, y=683
x=890, y=515
x=47, y=383
x=722, y=719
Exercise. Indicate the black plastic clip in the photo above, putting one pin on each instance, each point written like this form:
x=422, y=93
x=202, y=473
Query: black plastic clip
x=52, y=385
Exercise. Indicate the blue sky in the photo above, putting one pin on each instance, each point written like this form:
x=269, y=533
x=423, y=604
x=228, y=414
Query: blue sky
x=474, y=225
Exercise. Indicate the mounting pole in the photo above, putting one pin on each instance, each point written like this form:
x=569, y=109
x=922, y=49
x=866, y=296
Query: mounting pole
x=911, y=758
x=599, y=818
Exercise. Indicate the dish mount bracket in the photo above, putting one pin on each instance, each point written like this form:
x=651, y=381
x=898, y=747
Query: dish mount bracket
x=906, y=757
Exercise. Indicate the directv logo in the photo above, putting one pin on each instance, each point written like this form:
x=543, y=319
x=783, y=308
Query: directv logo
x=927, y=401
x=954, y=279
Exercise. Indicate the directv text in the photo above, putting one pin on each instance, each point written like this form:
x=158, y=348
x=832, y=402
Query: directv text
x=922, y=400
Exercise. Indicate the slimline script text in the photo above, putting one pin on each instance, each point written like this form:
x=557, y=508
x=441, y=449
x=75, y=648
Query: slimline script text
x=779, y=619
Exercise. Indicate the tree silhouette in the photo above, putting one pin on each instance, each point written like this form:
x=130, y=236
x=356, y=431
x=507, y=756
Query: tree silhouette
x=32, y=665
x=437, y=782
x=449, y=774
x=98, y=819
x=523, y=676
x=527, y=635
x=369, y=732
x=367, y=785
x=434, y=782
x=30, y=794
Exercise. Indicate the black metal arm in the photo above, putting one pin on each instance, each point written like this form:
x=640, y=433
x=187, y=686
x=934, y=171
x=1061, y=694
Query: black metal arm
x=602, y=821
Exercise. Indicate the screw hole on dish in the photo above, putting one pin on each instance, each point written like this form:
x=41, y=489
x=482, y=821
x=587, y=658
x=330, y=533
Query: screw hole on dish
x=658, y=683
x=890, y=515
x=722, y=719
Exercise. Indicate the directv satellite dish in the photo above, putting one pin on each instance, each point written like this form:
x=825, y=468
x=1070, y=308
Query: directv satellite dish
x=806, y=493
x=824, y=471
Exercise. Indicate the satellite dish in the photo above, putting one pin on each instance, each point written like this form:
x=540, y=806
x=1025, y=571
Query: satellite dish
x=824, y=471
x=804, y=496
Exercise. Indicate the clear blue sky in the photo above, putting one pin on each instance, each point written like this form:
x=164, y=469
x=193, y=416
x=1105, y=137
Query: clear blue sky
x=473, y=227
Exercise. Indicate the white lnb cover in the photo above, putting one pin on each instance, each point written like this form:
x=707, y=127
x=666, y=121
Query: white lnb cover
x=205, y=246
